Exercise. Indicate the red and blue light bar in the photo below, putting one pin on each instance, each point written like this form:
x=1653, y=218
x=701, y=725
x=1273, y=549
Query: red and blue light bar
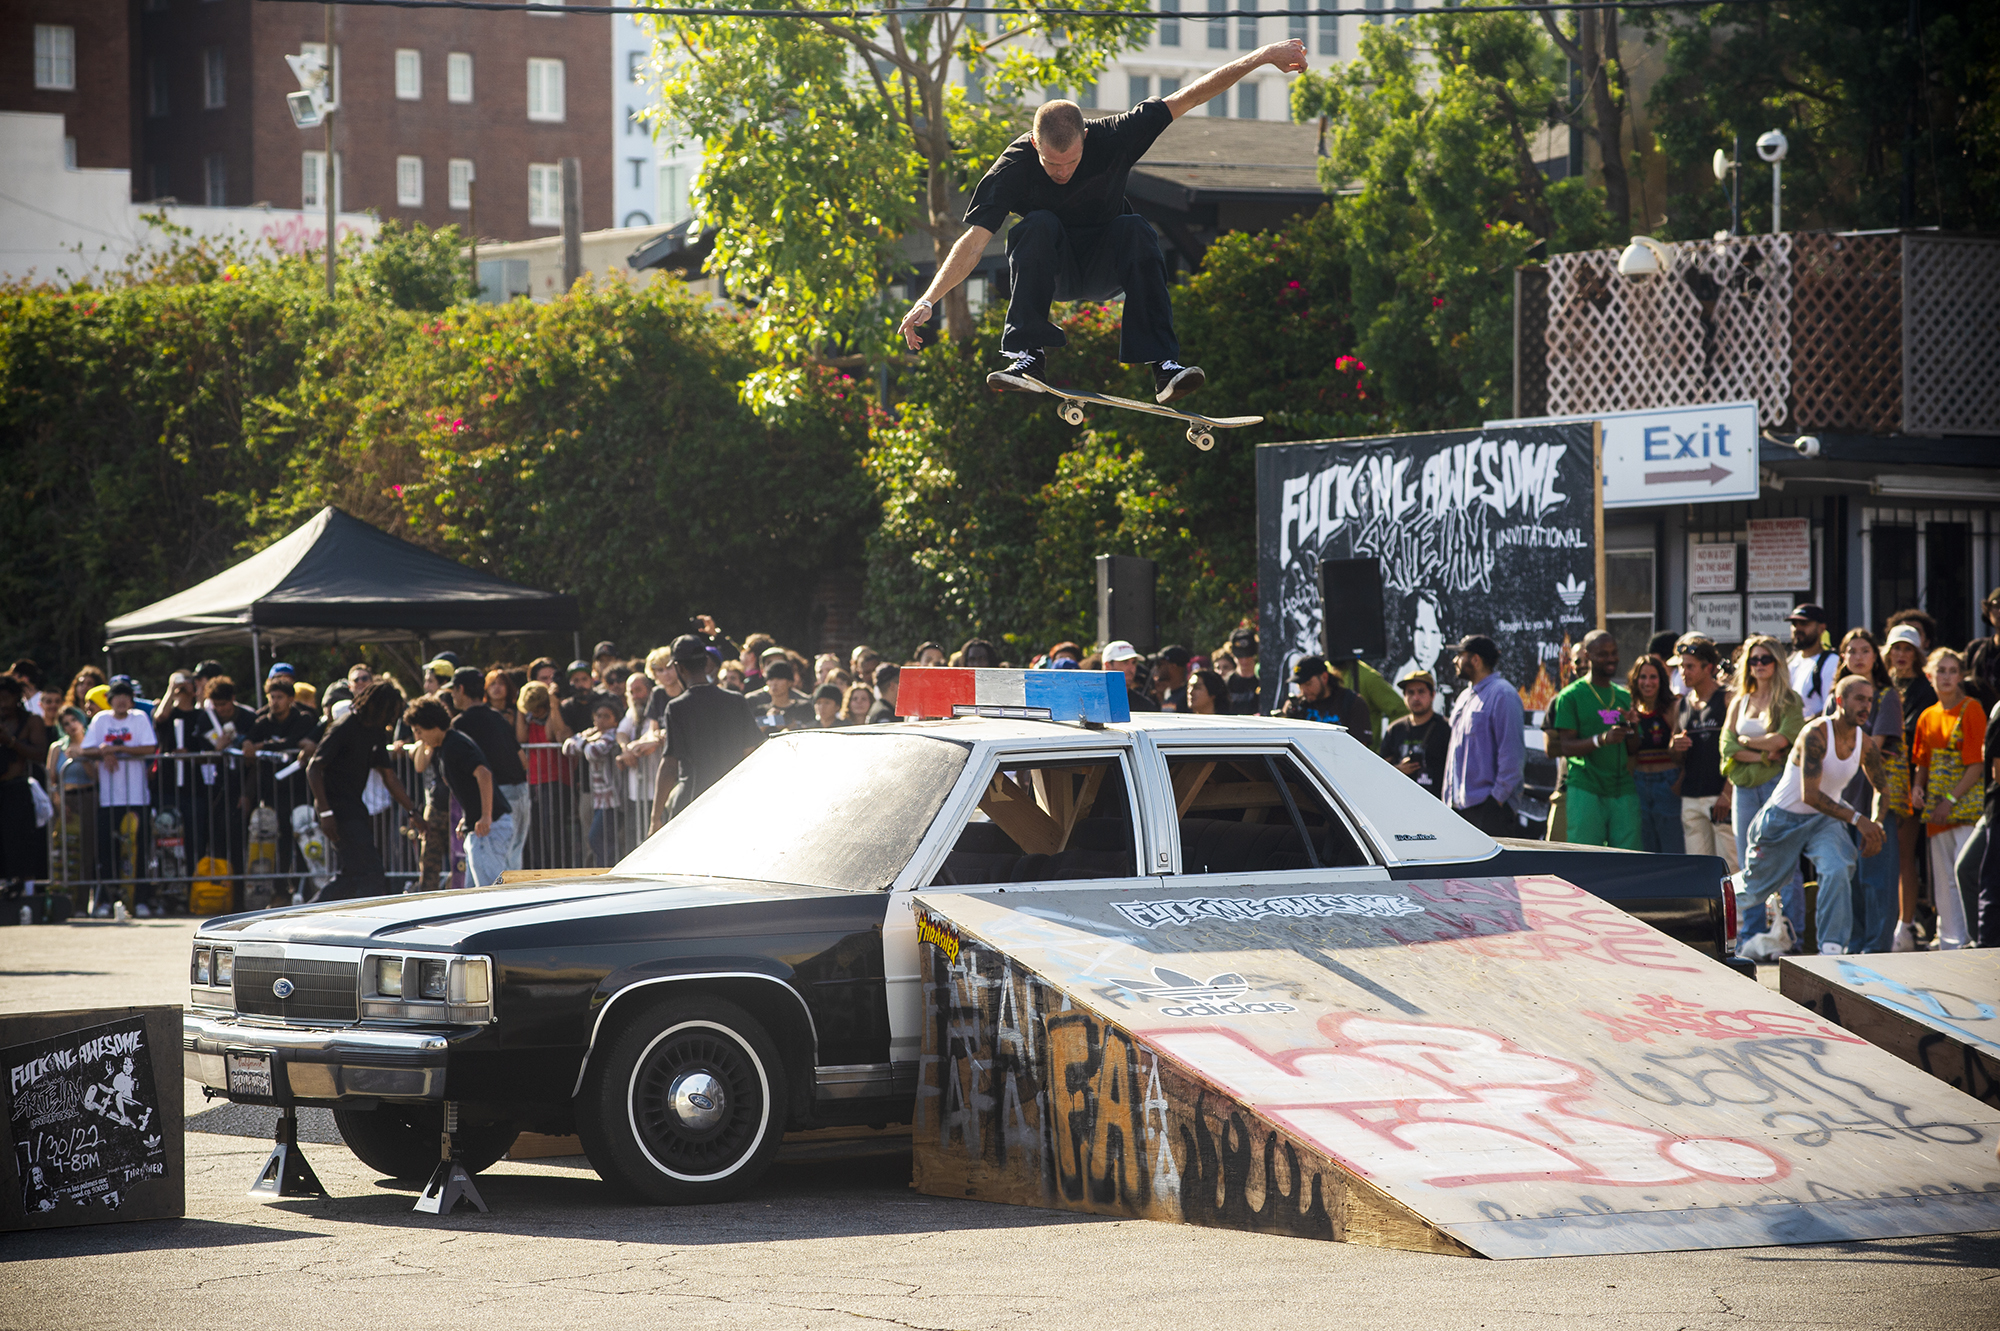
x=1096, y=696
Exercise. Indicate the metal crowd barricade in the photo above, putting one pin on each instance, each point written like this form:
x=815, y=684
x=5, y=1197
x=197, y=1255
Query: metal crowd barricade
x=219, y=832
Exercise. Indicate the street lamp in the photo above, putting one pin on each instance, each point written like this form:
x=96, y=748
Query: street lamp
x=312, y=107
x=1772, y=146
x=1645, y=257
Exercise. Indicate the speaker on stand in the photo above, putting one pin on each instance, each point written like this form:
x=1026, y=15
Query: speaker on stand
x=1125, y=600
x=1350, y=602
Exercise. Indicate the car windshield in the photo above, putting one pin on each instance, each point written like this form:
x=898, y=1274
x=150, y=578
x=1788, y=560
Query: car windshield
x=828, y=808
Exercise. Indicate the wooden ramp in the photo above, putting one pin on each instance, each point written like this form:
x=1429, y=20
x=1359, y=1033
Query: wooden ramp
x=1937, y=1010
x=1504, y=1067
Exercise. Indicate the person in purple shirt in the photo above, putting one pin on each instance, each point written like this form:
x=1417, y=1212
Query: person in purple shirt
x=1482, y=768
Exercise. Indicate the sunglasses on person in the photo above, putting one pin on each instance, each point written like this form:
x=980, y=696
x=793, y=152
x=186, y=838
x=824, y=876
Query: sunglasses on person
x=1763, y=660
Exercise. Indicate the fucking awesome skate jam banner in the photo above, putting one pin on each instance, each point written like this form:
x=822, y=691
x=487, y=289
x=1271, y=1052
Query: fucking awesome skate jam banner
x=1476, y=531
x=83, y=1116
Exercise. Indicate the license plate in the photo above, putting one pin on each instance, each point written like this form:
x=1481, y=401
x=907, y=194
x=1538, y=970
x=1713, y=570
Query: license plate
x=249, y=1074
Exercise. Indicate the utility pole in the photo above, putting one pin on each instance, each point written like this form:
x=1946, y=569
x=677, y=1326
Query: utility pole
x=327, y=184
x=572, y=220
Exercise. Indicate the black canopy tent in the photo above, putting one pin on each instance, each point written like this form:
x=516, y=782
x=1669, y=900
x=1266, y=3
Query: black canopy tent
x=337, y=579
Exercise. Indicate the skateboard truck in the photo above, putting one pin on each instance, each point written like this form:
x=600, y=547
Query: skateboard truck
x=451, y=1182
x=285, y=1172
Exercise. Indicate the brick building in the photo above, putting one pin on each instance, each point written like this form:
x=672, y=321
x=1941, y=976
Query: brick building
x=76, y=61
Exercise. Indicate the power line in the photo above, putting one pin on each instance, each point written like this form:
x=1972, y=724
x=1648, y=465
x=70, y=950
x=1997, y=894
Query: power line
x=1401, y=10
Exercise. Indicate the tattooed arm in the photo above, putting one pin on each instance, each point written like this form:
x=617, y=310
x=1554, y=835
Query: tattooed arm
x=1813, y=762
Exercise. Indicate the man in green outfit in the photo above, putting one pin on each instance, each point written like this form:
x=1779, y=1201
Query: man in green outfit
x=1588, y=720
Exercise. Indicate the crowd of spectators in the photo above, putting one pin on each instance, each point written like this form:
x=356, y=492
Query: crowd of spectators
x=1869, y=761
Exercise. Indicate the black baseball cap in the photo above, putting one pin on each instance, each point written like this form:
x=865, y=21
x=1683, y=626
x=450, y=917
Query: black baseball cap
x=1243, y=642
x=1179, y=656
x=1805, y=612
x=1308, y=667
x=690, y=649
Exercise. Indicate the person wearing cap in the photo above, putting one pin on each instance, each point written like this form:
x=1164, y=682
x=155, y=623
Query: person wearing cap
x=580, y=701
x=1122, y=656
x=119, y=738
x=709, y=731
x=1170, y=673
x=1243, y=684
x=353, y=747
x=1318, y=695
x=1812, y=665
x=1418, y=742
x=602, y=656
x=1697, y=741
x=888, y=678
x=500, y=744
x=280, y=670
x=1982, y=656
x=1482, y=767
x=437, y=678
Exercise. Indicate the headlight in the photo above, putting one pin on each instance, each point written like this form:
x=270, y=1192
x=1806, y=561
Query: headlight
x=431, y=986
x=389, y=977
x=224, y=968
x=414, y=987
x=471, y=981
x=199, y=972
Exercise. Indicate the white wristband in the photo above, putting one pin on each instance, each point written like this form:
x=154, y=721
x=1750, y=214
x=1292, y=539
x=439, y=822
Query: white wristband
x=929, y=305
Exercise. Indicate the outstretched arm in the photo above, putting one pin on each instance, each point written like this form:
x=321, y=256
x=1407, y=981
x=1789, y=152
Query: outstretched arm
x=1288, y=56
x=964, y=257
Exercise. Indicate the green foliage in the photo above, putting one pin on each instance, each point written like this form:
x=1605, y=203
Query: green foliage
x=1844, y=83
x=412, y=267
x=1428, y=133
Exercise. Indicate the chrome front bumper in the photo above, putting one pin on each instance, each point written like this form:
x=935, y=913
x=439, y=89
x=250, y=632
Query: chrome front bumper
x=319, y=1062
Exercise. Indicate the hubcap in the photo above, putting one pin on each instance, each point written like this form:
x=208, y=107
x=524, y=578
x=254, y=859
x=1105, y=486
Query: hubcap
x=699, y=1100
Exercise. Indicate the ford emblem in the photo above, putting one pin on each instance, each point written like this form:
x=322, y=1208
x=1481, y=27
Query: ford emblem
x=701, y=1102
x=282, y=987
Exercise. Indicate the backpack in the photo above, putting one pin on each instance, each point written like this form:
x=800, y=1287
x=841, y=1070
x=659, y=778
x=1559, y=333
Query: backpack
x=1818, y=683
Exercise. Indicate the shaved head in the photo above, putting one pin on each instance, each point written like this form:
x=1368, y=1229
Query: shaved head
x=1058, y=125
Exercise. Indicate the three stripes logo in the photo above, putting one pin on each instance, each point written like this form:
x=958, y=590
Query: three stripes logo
x=1186, y=996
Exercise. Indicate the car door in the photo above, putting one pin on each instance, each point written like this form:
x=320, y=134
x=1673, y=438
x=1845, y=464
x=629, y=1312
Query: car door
x=1026, y=818
x=1255, y=812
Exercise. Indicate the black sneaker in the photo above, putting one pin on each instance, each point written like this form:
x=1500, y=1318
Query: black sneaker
x=1172, y=380
x=1021, y=367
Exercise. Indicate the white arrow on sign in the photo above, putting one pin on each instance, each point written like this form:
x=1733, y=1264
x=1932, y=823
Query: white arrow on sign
x=1712, y=473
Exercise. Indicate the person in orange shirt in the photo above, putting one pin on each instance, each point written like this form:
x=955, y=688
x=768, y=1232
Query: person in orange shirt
x=1947, y=779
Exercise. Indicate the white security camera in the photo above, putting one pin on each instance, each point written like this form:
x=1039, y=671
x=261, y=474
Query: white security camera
x=1807, y=445
x=1772, y=145
x=1645, y=257
x=305, y=109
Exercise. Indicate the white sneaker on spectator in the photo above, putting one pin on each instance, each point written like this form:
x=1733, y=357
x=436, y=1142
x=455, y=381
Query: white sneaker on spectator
x=1906, y=937
x=1832, y=950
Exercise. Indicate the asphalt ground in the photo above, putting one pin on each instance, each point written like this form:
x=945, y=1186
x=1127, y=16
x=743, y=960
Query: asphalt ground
x=833, y=1237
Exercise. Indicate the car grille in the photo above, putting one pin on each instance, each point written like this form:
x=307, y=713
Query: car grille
x=321, y=990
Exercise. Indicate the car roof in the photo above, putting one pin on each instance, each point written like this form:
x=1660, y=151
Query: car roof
x=971, y=729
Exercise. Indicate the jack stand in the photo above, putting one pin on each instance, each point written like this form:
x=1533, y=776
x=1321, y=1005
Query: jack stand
x=285, y=1172
x=451, y=1181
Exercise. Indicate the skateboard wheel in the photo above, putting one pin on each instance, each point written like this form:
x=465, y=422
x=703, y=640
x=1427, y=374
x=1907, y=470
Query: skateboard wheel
x=1201, y=439
x=1071, y=412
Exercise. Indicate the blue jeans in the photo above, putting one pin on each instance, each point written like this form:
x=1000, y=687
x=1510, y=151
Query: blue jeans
x=1777, y=838
x=1875, y=901
x=486, y=856
x=602, y=854
x=1659, y=813
x=517, y=809
x=1749, y=802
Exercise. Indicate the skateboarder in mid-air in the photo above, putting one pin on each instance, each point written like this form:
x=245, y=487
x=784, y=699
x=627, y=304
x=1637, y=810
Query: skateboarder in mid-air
x=1078, y=238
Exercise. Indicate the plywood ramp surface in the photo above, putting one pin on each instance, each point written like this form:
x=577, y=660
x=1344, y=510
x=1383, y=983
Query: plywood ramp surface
x=1939, y=1011
x=1506, y=1067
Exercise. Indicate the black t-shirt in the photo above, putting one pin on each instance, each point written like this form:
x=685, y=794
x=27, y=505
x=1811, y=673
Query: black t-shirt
x=1992, y=755
x=1701, y=772
x=351, y=749
x=183, y=730
x=494, y=735
x=882, y=713
x=1917, y=694
x=1427, y=743
x=708, y=730
x=1656, y=733
x=1016, y=182
x=1338, y=706
x=798, y=713
x=1243, y=695
x=457, y=758
x=577, y=710
x=1140, y=702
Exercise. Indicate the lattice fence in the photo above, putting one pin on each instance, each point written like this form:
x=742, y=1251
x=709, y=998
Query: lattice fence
x=1847, y=333
x=1717, y=328
x=1531, y=371
x=1950, y=335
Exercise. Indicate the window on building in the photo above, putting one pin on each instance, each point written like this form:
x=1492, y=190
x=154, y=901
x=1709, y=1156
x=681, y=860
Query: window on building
x=55, y=57
x=410, y=182
x=1256, y=813
x=545, y=90
x=1376, y=16
x=214, y=78
x=551, y=4
x=975, y=85
x=1246, y=34
x=409, y=75
x=1246, y=101
x=458, y=182
x=674, y=195
x=1628, y=600
x=1168, y=87
x=1051, y=93
x=312, y=170
x=69, y=152
x=215, y=173
x=458, y=77
x=1086, y=96
x=1138, y=88
x=1329, y=35
x=544, y=194
x=1170, y=28
x=1218, y=28
x=1218, y=107
x=156, y=88
x=1296, y=25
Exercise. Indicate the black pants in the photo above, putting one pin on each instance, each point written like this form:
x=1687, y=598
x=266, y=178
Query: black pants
x=1493, y=818
x=1047, y=261
x=361, y=872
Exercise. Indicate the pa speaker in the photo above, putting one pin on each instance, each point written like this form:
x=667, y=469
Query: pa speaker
x=1125, y=600
x=1350, y=603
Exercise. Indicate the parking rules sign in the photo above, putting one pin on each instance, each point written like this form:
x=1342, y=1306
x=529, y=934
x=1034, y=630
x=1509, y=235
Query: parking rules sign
x=1680, y=455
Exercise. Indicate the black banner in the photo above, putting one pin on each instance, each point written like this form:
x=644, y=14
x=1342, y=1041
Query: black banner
x=1477, y=532
x=84, y=1116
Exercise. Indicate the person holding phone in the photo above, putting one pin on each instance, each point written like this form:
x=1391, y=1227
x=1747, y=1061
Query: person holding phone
x=1590, y=722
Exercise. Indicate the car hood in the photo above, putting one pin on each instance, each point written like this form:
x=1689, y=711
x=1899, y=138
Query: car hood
x=455, y=919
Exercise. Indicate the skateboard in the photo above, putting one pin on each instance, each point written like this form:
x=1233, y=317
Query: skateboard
x=1200, y=432
x=170, y=859
x=262, y=865
x=306, y=835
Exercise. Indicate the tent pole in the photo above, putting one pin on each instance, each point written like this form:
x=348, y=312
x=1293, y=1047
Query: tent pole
x=256, y=664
